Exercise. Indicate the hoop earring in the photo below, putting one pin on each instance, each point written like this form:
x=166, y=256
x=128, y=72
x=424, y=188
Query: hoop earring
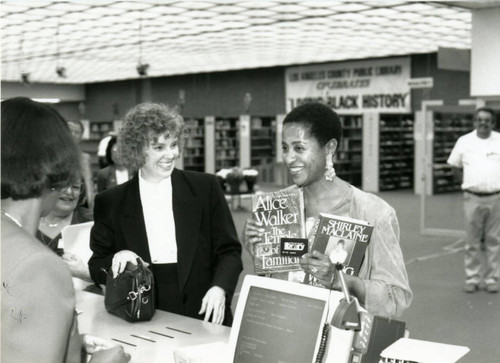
x=330, y=170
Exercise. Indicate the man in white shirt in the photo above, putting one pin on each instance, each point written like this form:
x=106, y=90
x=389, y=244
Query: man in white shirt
x=475, y=159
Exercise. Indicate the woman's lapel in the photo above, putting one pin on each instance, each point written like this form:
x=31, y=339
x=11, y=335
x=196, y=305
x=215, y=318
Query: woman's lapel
x=132, y=221
x=187, y=208
x=187, y=214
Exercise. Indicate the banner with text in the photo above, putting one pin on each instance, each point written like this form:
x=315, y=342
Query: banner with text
x=379, y=85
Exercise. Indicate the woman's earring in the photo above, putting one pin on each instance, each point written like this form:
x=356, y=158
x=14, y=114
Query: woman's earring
x=330, y=170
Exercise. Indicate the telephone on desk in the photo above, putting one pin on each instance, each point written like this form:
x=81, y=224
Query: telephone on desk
x=372, y=333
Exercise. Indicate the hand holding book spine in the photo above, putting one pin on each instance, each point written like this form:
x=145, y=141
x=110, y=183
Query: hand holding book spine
x=280, y=214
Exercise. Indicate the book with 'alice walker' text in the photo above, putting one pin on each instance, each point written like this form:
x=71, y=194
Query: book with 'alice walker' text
x=344, y=240
x=281, y=215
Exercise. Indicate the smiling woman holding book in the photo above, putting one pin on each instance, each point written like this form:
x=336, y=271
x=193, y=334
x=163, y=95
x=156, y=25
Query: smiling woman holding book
x=311, y=136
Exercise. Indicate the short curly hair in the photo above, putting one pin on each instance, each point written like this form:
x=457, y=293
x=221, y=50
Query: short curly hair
x=323, y=123
x=38, y=151
x=145, y=123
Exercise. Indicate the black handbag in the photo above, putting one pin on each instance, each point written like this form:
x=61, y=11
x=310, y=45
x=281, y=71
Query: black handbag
x=131, y=294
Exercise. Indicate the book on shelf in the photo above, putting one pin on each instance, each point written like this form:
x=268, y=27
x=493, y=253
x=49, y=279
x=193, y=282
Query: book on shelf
x=344, y=240
x=281, y=215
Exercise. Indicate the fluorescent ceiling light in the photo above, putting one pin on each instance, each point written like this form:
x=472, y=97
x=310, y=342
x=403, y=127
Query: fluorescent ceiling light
x=47, y=100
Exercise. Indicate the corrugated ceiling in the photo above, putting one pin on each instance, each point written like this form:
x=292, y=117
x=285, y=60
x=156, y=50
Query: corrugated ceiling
x=102, y=41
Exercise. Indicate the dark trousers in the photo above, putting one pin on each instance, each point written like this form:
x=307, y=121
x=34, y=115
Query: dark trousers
x=168, y=292
x=169, y=297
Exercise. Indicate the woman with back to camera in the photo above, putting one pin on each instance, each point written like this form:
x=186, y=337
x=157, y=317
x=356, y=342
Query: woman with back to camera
x=311, y=136
x=176, y=221
x=38, y=301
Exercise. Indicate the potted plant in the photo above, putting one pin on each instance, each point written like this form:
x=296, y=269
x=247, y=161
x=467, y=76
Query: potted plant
x=234, y=179
x=250, y=177
x=221, y=177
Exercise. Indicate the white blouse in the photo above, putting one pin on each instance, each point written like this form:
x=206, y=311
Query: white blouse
x=121, y=176
x=156, y=200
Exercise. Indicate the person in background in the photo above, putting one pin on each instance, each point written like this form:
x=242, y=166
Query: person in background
x=38, y=319
x=115, y=173
x=68, y=210
x=475, y=159
x=76, y=128
x=176, y=221
x=101, y=149
x=311, y=136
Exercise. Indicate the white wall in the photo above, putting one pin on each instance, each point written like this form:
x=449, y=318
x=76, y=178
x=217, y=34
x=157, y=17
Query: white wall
x=485, y=57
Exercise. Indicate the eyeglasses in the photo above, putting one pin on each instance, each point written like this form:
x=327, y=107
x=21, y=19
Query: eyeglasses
x=70, y=189
x=73, y=188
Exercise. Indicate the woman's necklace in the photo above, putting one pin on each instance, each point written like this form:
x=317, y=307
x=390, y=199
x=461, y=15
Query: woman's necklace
x=12, y=218
x=52, y=225
x=46, y=239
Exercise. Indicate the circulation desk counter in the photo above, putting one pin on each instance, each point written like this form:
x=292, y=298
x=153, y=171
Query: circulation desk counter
x=151, y=341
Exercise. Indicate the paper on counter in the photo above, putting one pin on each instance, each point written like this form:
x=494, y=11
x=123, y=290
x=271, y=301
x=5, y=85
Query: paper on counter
x=217, y=352
x=76, y=239
x=422, y=351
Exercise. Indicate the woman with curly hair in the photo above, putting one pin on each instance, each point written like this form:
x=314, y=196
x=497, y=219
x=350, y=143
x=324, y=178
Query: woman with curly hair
x=176, y=221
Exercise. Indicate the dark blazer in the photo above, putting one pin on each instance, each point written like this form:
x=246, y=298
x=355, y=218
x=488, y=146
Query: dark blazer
x=208, y=249
x=106, y=178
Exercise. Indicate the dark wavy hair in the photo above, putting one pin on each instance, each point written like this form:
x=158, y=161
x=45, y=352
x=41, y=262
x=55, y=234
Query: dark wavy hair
x=144, y=123
x=323, y=123
x=38, y=151
x=109, y=147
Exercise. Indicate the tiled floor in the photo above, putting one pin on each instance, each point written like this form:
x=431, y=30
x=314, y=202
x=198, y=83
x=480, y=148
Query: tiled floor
x=440, y=311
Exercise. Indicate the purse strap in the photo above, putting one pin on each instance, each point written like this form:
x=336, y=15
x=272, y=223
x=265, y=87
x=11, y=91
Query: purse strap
x=140, y=264
x=105, y=270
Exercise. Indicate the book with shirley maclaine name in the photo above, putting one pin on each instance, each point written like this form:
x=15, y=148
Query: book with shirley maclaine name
x=281, y=215
x=344, y=240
